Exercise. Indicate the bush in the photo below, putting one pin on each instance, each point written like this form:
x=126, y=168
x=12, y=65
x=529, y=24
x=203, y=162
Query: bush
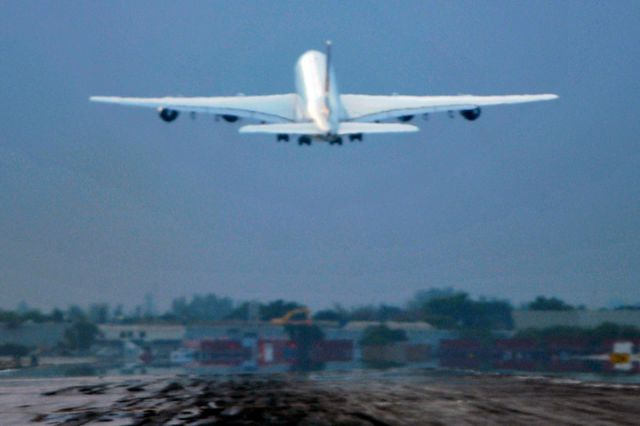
x=380, y=335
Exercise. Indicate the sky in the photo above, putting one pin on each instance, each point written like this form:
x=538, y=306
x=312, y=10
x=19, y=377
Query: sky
x=102, y=203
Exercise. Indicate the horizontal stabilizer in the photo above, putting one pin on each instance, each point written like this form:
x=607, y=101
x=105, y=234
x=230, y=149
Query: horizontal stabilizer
x=346, y=128
x=284, y=128
x=354, y=127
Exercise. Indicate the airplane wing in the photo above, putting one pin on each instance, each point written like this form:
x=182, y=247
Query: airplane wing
x=372, y=108
x=271, y=108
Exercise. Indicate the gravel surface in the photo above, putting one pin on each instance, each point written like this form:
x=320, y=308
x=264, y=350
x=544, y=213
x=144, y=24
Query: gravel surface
x=374, y=398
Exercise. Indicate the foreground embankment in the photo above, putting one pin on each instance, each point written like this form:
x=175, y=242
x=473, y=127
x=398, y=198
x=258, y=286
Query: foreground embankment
x=368, y=398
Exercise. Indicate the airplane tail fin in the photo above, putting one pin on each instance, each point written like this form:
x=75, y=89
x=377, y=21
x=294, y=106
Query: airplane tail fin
x=327, y=75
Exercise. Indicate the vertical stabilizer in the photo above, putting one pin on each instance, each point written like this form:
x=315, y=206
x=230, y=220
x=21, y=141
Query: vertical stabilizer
x=327, y=76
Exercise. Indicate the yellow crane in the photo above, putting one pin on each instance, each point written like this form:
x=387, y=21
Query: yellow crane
x=298, y=316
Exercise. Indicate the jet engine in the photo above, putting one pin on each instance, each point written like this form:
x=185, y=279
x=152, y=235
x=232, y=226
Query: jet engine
x=168, y=115
x=230, y=118
x=471, y=114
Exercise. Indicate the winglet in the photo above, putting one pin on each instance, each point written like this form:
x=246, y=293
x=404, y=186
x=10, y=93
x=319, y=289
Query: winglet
x=327, y=77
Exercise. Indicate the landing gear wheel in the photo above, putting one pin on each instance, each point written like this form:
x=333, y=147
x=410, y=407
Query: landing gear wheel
x=336, y=141
x=282, y=138
x=304, y=140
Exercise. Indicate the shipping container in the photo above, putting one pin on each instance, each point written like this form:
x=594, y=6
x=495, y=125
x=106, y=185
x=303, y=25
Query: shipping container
x=464, y=353
x=222, y=352
x=400, y=353
x=338, y=350
x=272, y=351
x=418, y=352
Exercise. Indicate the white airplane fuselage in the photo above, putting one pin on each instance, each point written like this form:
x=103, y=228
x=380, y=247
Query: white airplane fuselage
x=318, y=97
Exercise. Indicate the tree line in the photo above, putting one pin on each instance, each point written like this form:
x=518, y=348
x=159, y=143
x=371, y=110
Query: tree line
x=443, y=308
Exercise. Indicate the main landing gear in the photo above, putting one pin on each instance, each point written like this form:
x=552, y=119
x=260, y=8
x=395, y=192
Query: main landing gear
x=336, y=140
x=304, y=140
x=282, y=138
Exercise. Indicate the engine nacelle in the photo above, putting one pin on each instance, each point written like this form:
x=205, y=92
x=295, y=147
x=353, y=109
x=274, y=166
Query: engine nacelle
x=405, y=118
x=168, y=115
x=230, y=118
x=471, y=114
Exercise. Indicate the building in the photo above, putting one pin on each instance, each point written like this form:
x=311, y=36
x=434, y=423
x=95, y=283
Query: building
x=155, y=341
x=142, y=332
x=44, y=336
x=235, y=330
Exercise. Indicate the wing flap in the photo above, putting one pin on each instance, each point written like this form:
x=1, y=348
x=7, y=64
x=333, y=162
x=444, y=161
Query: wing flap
x=371, y=108
x=270, y=108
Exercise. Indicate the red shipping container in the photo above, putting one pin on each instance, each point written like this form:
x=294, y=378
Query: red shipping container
x=271, y=352
x=520, y=345
x=339, y=350
x=418, y=352
x=222, y=352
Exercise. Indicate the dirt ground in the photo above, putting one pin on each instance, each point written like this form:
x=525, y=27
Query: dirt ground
x=361, y=398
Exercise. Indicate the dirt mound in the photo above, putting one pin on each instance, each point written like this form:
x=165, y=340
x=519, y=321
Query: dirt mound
x=323, y=399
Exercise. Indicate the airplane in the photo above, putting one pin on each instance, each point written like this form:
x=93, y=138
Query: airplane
x=317, y=111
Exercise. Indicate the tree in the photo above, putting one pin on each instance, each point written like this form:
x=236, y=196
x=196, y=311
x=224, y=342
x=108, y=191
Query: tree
x=453, y=311
x=208, y=307
x=80, y=335
x=99, y=313
x=34, y=315
x=241, y=312
x=76, y=313
x=492, y=314
x=379, y=335
x=331, y=315
x=378, y=313
x=10, y=318
x=118, y=313
x=304, y=336
x=57, y=315
x=542, y=303
x=458, y=311
x=421, y=297
x=14, y=350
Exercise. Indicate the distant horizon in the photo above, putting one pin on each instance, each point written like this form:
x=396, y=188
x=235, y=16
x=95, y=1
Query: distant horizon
x=159, y=309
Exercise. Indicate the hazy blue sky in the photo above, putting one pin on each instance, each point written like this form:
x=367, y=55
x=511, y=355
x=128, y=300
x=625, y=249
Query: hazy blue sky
x=105, y=203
